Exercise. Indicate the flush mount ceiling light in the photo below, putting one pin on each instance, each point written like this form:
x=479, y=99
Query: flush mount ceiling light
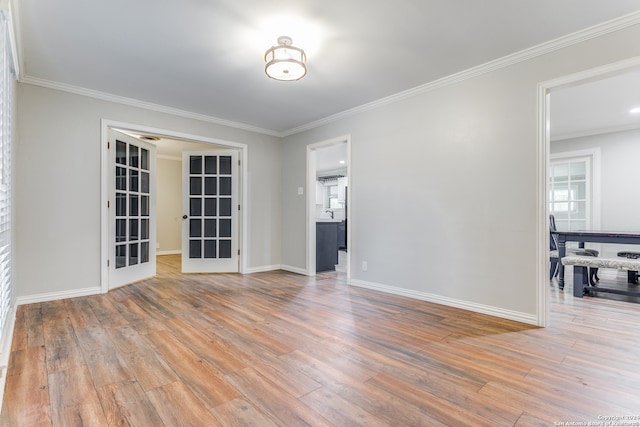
x=285, y=61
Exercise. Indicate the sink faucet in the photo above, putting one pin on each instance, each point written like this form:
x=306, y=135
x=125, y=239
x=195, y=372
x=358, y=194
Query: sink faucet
x=330, y=213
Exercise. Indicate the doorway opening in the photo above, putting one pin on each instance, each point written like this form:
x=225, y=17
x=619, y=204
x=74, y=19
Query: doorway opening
x=230, y=171
x=579, y=130
x=328, y=206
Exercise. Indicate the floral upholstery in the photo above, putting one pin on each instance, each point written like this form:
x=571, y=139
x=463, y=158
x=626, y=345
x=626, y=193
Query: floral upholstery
x=593, y=262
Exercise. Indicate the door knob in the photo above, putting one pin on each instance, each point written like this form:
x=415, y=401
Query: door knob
x=184, y=217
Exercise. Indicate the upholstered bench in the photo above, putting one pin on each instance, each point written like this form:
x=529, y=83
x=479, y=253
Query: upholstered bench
x=593, y=272
x=581, y=263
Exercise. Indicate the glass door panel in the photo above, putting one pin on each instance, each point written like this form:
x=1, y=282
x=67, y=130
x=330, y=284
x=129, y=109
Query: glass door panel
x=132, y=214
x=210, y=241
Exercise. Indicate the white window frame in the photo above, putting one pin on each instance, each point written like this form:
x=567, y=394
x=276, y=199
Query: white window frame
x=8, y=73
x=592, y=179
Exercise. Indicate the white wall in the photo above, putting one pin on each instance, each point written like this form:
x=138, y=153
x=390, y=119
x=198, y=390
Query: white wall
x=57, y=187
x=169, y=205
x=619, y=175
x=444, y=184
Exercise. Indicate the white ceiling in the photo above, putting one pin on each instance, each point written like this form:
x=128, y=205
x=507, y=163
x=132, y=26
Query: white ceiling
x=172, y=148
x=597, y=106
x=206, y=57
x=332, y=159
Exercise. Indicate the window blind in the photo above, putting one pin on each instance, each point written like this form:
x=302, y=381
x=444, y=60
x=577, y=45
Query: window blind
x=6, y=96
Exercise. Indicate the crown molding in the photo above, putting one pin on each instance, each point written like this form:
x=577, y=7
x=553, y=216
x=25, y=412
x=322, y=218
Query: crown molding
x=506, y=61
x=142, y=104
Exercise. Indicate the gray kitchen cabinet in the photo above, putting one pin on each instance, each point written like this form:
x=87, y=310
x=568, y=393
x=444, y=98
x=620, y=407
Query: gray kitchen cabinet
x=326, y=245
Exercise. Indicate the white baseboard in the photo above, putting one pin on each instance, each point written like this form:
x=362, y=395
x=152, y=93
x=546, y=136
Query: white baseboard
x=423, y=296
x=262, y=269
x=292, y=269
x=176, y=252
x=451, y=302
x=265, y=268
x=250, y=270
x=52, y=296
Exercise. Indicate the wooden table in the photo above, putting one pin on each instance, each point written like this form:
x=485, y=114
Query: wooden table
x=594, y=236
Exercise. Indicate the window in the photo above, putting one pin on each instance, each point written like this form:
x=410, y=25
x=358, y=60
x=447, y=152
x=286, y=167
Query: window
x=332, y=197
x=570, y=192
x=6, y=97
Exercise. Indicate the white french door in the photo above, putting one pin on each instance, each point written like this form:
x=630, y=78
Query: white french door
x=132, y=205
x=210, y=211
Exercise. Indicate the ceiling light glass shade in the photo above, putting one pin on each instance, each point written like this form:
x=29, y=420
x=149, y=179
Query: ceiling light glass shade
x=285, y=62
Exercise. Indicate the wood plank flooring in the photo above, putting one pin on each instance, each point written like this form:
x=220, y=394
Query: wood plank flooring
x=280, y=349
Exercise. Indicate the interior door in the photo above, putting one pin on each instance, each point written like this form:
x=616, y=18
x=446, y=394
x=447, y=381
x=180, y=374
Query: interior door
x=210, y=211
x=132, y=201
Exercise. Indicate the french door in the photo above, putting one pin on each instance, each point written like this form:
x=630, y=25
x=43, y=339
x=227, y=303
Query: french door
x=132, y=201
x=210, y=211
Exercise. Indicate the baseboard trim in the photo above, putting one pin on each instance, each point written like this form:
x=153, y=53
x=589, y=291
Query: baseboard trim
x=175, y=252
x=451, y=302
x=262, y=269
x=52, y=296
x=266, y=268
x=293, y=269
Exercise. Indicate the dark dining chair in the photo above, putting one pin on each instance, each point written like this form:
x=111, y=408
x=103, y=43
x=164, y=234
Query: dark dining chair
x=554, y=258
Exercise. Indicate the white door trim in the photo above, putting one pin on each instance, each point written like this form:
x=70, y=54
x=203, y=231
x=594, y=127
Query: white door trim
x=104, y=186
x=311, y=202
x=543, y=142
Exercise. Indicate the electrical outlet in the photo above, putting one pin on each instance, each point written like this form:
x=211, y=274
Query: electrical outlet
x=157, y=245
x=364, y=266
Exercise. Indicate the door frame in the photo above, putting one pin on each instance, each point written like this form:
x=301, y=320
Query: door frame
x=544, y=144
x=311, y=201
x=105, y=125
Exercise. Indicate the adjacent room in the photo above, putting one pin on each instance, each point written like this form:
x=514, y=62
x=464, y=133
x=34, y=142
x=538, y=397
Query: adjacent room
x=261, y=213
x=594, y=137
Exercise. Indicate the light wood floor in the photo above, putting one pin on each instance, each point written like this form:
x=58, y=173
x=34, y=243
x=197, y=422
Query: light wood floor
x=279, y=349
